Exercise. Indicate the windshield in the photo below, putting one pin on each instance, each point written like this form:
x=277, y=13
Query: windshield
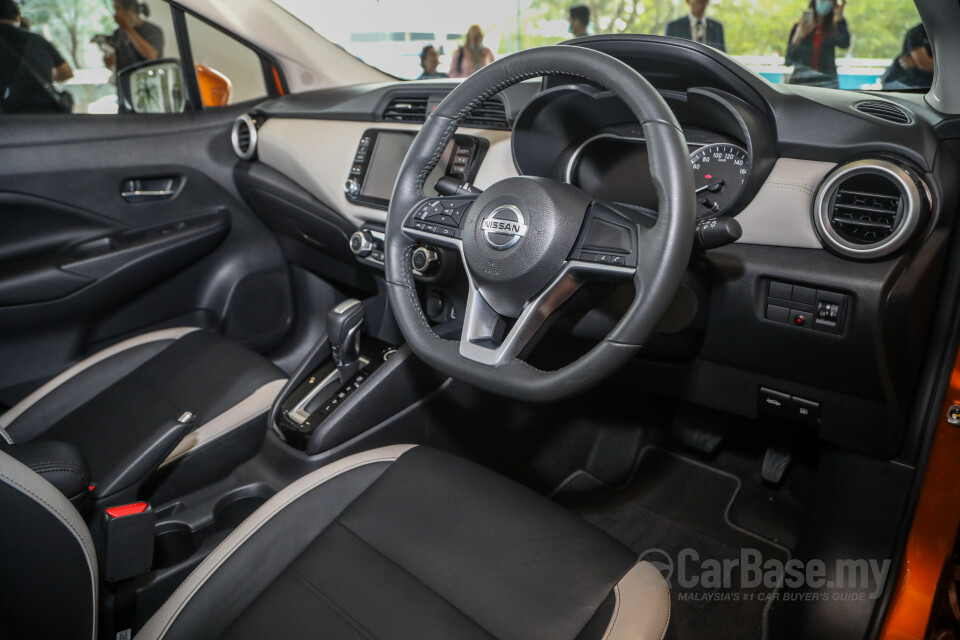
x=847, y=45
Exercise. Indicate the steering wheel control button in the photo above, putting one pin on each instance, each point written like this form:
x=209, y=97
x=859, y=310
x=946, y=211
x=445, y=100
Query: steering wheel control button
x=504, y=227
x=428, y=209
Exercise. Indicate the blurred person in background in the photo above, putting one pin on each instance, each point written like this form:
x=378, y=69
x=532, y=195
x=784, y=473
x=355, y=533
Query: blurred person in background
x=29, y=65
x=579, y=20
x=913, y=68
x=813, y=43
x=429, y=61
x=697, y=27
x=135, y=39
x=470, y=56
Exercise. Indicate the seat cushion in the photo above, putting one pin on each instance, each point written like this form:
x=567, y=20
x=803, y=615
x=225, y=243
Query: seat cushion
x=413, y=543
x=107, y=405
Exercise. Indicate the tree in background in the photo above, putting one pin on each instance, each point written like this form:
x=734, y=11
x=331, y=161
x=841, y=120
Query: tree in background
x=752, y=27
x=70, y=24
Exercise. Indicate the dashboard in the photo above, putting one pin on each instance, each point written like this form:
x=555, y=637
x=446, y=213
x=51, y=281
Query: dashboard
x=843, y=203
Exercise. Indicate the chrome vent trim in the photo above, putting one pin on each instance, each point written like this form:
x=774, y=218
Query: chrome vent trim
x=884, y=111
x=872, y=222
x=243, y=137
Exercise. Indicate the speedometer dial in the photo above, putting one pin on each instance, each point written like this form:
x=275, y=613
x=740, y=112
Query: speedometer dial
x=721, y=171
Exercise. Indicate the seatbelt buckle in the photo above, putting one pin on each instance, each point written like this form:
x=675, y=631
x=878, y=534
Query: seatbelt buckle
x=128, y=534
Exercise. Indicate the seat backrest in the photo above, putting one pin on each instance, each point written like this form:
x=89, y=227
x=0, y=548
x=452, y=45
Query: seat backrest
x=48, y=564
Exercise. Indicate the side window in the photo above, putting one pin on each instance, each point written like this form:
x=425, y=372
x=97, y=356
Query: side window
x=228, y=71
x=61, y=56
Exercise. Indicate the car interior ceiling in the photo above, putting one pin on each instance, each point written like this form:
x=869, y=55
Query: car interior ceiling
x=784, y=399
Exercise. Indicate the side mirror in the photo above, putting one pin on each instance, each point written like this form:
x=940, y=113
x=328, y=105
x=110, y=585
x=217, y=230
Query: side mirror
x=154, y=86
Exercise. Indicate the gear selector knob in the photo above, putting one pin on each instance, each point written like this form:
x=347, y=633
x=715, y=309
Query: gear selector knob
x=343, y=330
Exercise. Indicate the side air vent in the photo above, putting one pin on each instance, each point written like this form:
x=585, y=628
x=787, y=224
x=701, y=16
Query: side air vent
x=870, y=208
x=490, y=114
x=884, y=110
x=406, y=109
x=244, y=137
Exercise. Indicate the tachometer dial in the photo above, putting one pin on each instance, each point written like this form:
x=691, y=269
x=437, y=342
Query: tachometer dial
x=721, y=171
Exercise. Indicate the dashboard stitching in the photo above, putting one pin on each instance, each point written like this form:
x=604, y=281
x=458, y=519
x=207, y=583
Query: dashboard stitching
x=793, y=186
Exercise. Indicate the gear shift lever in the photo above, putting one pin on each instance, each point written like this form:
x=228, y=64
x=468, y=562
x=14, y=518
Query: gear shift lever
x=343, y=330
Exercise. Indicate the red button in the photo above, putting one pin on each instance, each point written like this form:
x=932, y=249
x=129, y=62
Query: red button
x=127, y=509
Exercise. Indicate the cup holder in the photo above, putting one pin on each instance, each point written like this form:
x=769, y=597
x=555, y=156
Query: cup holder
x=190, y=530
x=174, y=542
x=230, y=514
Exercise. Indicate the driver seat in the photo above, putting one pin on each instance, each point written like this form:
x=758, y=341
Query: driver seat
x=399, y=542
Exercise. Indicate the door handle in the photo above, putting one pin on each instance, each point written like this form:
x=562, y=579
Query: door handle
x=136, y=190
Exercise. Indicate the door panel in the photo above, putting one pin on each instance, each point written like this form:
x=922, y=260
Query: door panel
x=111, y=226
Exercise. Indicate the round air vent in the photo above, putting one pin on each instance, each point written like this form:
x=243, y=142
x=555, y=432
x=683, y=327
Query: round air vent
x=870, y=208
x=244, y=137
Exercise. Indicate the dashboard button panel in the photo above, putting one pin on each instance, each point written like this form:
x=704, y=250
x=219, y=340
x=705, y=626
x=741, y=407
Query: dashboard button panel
x=787, y=406
x=804, y=307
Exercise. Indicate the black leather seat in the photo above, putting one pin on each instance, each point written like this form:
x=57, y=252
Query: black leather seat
x=113, y=401
x=400, y=542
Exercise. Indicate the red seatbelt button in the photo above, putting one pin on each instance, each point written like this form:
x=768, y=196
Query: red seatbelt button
x=125, y=510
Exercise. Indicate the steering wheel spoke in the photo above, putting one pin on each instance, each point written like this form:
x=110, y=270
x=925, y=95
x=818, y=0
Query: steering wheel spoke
x=485, y=339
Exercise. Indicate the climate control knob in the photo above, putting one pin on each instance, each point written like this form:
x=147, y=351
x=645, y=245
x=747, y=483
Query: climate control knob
x=352, y=188
x=361, y=243
x=425, y=261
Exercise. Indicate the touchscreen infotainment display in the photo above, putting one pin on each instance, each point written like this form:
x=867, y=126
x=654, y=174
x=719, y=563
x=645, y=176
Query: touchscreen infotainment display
x=388, y=153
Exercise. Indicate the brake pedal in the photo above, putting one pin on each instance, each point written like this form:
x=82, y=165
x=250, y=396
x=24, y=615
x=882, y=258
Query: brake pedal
x=775, y=464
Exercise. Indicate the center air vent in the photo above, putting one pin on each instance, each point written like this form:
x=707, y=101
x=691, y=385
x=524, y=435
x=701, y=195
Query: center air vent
x=884, y=110
x=406, y=109
x=244, y=137
x=489, y=114
x=869, y=208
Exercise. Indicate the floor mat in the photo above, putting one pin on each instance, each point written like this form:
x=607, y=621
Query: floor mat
x=674, y=513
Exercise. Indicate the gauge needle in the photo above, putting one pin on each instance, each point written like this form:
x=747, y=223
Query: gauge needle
x=713, y=187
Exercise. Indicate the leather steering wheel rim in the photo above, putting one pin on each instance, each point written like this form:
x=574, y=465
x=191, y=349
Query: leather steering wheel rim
x=662, y=255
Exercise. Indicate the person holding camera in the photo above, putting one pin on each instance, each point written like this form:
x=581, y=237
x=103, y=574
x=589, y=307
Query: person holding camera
x=814, y=40
x=135, y=39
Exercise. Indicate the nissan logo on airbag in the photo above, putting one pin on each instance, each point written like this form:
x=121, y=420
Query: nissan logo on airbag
x=503, y=227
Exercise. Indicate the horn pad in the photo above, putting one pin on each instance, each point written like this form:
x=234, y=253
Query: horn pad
x=517, y=236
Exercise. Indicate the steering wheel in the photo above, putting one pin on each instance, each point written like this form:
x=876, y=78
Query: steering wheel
x=530, y=243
